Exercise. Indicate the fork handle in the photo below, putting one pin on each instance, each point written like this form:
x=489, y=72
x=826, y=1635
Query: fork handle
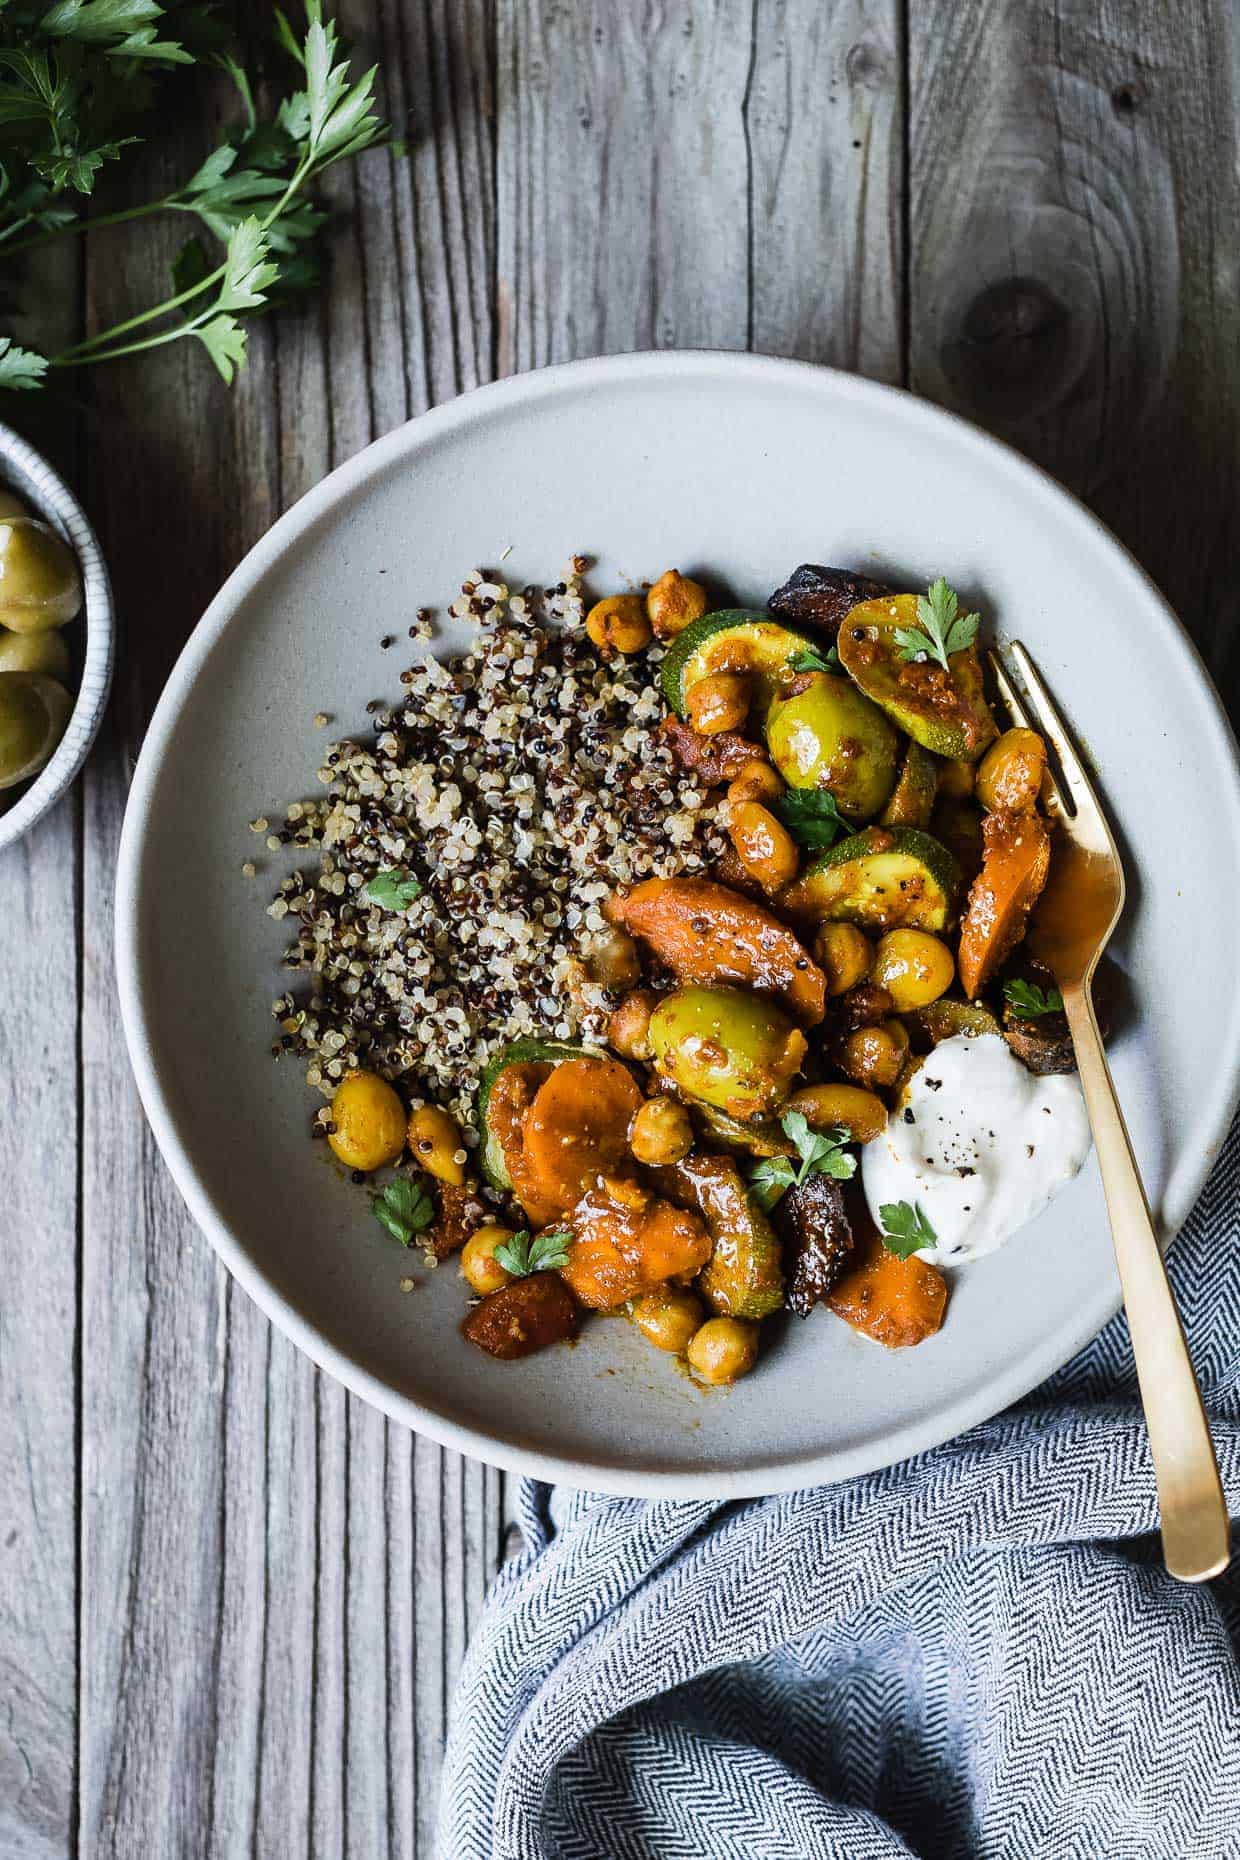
x=1195, y=1530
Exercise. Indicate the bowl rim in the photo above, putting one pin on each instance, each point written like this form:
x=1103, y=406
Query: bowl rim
x=43, y=487
x=467, y=410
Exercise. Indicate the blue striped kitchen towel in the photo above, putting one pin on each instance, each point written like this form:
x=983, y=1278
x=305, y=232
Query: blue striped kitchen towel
x=976, y=1653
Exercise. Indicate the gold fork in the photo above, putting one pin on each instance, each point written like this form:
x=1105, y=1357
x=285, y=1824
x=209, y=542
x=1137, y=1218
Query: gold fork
x=1070, y=928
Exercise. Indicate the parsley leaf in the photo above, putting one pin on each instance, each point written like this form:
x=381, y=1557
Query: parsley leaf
x=941, y=628
x=522, y=1256
x=393, y=891
x=1029, y=1001
x=812, y=816
x=819, y=1152
x=810, y=659
x=224, y=340
x=905, y=1228
x=20, y=368
x=404, y=1209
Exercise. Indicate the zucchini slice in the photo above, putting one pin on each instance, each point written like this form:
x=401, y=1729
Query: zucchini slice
x=881, y=879
x=944, y=712
x=743, y=1277
x=737, y=639
x=519, y=1053
x=912, y=798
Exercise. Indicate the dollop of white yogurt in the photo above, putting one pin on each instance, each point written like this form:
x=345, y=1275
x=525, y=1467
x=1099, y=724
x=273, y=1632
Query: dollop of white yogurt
x=981, y=1144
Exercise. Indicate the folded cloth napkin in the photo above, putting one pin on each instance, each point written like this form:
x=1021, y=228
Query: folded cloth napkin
x=975, y=1653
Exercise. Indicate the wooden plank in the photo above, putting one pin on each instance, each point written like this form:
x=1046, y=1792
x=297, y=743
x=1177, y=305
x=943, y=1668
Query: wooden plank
x=1071, y=277
x=276, y=1576
x=623, y=178
x=39, y=1106
x=825, y=121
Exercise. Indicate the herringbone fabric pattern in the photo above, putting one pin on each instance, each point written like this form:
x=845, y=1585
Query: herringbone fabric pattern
x=976, y=1653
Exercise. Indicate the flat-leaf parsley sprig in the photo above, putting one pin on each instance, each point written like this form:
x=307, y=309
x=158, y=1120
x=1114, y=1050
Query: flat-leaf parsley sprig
x=812, y=816
x=404, y=1209
x=941, y=628
x=905, y=1229
x=819, y=1152
x=520, y=1256
x=1029, y=1001
x=251, y=191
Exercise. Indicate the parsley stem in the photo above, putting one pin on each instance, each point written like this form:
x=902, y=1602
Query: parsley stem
x=169, y=203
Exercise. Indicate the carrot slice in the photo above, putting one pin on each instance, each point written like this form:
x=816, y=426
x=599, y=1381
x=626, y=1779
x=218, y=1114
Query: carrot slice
x=897, y=1302
x=626, y=1241
x=1016, y=857
x=511, y=1096
x=708, y=934
x=576, y=1130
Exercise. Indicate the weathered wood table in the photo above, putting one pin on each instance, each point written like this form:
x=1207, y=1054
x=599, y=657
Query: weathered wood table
x=233, y=1599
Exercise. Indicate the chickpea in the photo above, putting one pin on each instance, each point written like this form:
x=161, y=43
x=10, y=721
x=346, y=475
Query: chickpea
x=757, y=781
x=435, y=1144
x=478, y=1262
x=764, y=847
x=673, y=602
x=661, y=1132
x=1009, y=775
x=955, y=779
x=619, y=624
x=34, y=652
x=914, y=967
x=724, y=1350
x=613, y=961
x=668, y=1317
x=874, y=1056
x=370, y=1122
x=845, y=956
x=718, y=702
x=628, y=1030
x=833, y=1107
x=40, y=586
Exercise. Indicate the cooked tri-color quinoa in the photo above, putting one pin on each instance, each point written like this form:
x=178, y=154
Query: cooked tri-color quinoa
x=518, y=784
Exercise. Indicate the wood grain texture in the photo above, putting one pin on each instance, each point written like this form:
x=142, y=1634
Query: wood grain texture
x=825, y=121
x=1072, y=263
x=39, y=1108
x=280, y=1581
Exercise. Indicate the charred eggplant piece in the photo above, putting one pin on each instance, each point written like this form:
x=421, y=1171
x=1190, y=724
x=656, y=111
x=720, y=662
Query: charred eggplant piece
x=818, y=1240
x=713, y=759
x=1041, y=1042
x=819, y=597
x=461, y=1211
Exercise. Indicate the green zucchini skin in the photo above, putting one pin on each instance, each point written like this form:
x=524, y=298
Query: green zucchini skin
x=728, y=620
x=518, y=1053
x=858, y=881
x=743, y=1277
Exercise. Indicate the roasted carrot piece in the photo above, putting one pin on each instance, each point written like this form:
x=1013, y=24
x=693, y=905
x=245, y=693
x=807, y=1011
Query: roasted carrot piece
x=511, y=1096
x=523, y=1317
x=708, y=934
x=576, y=1130
x=626, y=1240
x=897, y=1302
x=1016, y=857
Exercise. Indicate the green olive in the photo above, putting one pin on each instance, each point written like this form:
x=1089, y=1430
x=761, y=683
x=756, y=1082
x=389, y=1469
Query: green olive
x=11, y=506
x=34, y=652
x=33, y=713
x=40, y=586
x=731, y=1049
x=829, y=735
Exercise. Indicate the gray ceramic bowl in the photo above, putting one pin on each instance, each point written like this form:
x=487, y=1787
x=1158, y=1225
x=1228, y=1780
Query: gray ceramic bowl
x=92, y=635
x=738, y=468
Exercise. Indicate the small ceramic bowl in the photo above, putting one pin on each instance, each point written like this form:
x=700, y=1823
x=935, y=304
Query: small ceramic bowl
x=27, y=474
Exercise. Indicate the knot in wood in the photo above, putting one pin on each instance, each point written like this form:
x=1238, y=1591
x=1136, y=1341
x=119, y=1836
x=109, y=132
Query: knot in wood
x=1014, y=346
x=867, y=65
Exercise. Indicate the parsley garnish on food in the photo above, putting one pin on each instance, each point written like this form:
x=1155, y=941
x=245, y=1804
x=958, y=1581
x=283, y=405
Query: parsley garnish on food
x=1029, y=1001
x=522, y=1256
x=819, y=1152
x=809, y=659
x=812, y=816
x=404, y=1208
x=393, y=890
x=941, y=628
x=905, y=1229
x=72, y=75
